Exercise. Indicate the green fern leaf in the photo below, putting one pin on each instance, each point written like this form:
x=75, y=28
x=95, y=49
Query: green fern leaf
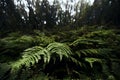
x=77, y=62
x=95, y=52
x=30, y=57
x=86, y=41
x=59, y=49
x=92, y=60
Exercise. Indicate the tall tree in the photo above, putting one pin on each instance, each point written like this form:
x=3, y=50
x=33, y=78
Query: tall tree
x=9, y=15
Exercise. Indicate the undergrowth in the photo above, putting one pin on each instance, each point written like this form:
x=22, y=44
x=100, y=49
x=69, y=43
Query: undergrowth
x=85, y=53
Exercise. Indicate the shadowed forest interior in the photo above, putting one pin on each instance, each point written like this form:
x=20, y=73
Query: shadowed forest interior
x=59, y=40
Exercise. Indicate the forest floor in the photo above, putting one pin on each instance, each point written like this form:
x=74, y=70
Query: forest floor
x=85, y=53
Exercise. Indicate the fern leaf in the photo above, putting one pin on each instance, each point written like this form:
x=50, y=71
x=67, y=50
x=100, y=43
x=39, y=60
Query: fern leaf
x=86, y=41
x=46, y=56
x=30, y=57
x=92, y=60
x=74, y=60
x=59, y=49
x=97, y=52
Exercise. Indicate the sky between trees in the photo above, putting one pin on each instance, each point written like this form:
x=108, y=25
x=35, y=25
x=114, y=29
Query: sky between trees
x=62, y=2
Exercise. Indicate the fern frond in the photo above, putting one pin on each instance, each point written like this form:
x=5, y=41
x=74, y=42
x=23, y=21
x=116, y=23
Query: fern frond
x=95, y=52
x=43, y=40
x=59, y=49
x=30, y=57
x=15, y=45
x=90, y=52
x=77, y=62
x=100, y=34
x=86, y=41
x=92, y=60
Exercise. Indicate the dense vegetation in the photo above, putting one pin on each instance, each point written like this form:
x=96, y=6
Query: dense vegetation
x=49, y=43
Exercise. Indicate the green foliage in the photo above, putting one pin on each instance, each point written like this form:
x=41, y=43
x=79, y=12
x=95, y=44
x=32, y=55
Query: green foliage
x=92, y=55
x=32, y=56
x=4, y=68
x=60, y=49
x=87, y=41
x=40, y=76
x=103, y=34
x=14, y=45
x=96, y=47
x=48, y=40
x=41, y=39
x=29, y=58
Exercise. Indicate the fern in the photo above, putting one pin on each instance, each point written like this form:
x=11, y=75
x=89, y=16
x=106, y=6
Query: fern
x=101, y=34
x=87, y=41
x=82, y=54
x=60, y=49
x=77, y=62
x=92, y=60
x=41, y=39
x=15, y=45
x=96, y=52
x=90, y=51
x=30, y=57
